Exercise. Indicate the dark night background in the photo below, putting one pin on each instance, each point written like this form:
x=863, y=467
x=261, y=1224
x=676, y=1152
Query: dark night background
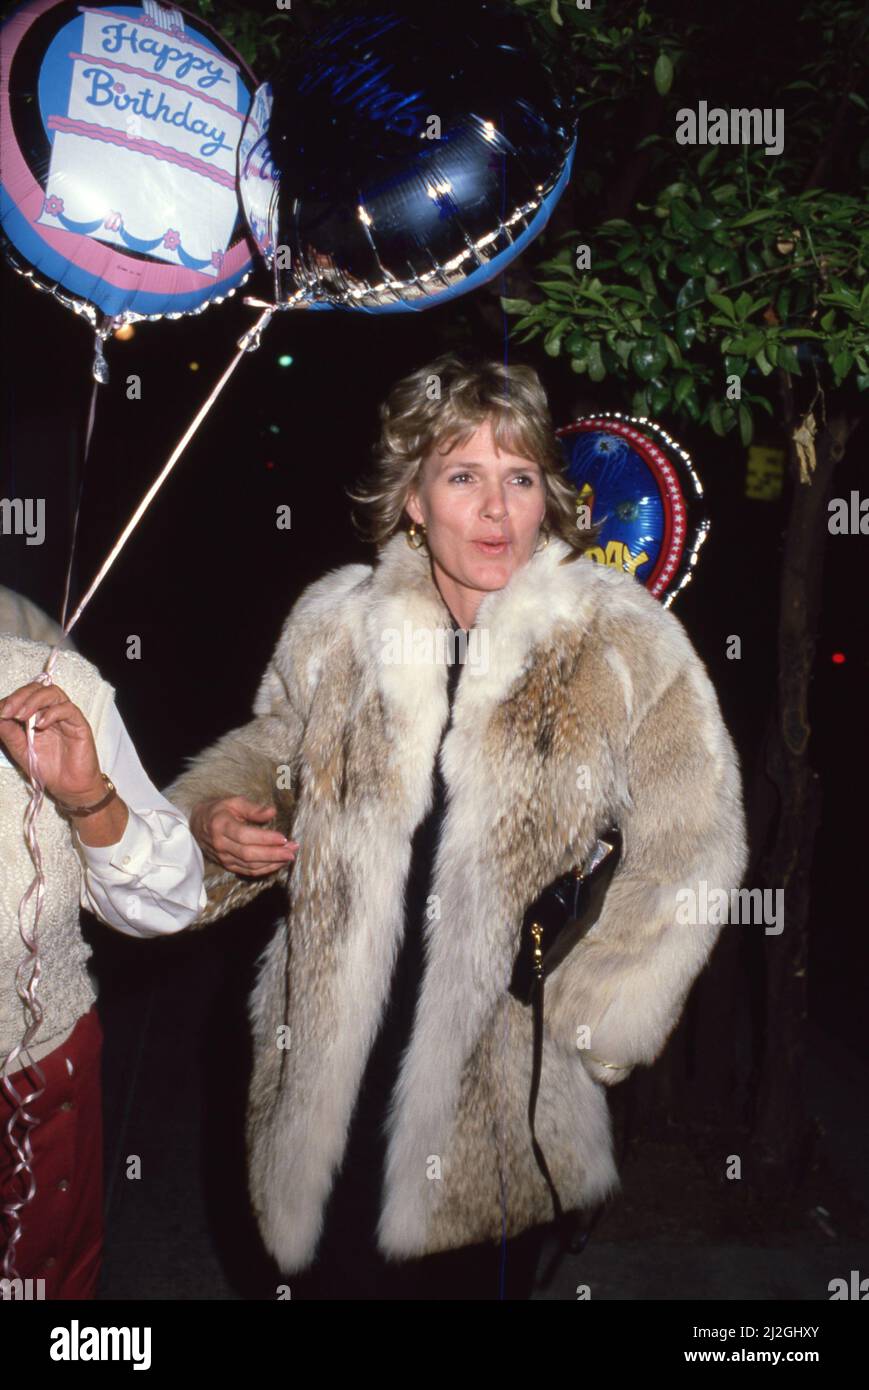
x=206, y=582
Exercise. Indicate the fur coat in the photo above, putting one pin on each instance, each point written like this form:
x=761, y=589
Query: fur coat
x=585, y=702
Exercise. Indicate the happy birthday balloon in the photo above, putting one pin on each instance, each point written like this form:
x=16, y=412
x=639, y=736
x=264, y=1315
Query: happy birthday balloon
x=641, y=484
x=120, y=127
x=404, y=159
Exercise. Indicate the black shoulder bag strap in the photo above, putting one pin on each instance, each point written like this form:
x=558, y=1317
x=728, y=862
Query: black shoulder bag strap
x=553, y=925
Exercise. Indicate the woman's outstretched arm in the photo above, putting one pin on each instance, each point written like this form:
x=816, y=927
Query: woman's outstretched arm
x=235, y=795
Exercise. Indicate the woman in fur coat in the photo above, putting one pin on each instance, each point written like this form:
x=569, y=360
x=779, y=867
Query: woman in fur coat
x=443, y=734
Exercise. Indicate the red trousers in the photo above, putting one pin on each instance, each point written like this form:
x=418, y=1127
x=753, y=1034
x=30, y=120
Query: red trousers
x=62, y=1228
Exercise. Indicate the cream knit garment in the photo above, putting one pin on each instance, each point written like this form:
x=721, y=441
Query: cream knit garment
x=21, y=615
x=65, y=989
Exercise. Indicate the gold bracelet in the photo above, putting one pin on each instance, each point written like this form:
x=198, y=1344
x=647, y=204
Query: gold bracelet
x=89, y=810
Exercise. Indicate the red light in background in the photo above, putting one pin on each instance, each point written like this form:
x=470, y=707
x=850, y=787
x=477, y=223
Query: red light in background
x=838, y=658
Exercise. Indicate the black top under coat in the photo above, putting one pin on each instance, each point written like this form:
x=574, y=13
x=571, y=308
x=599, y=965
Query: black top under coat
x=348, y=1240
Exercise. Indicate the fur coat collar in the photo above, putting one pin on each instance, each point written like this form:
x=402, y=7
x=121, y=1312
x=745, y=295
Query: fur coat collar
x=584, y=701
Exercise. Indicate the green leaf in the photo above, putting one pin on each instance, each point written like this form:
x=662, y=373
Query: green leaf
x=596, y=368
x=828, y=320
x=763, y=362
x=839, y=287
x=577, y=344
x=707, y=220
x=681, y=219
x=552, y=341
x=843, y=301
x=622, y=349
x=530, y=320
x=683, y=387
x=558, y=288
x=735, y=366
x=724, y=304
x=648, y=360
x=746, y=425
x=842, y=364
x=625, y=292
x=706, y=161
x=663, y=74
x=516, y=306
x=748, y=345
x=787, y=359
x=685, y=332
x=717, y=261
x=672, y=349
x=716, y=417
x=593, y=293
x=692, y=406
x=691, y=262
x=690, y=291
x=759, y=215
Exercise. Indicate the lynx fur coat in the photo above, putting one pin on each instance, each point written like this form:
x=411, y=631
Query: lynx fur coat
x=584, y=701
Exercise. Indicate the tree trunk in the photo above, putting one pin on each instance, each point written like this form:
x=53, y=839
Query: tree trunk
x=783, y=855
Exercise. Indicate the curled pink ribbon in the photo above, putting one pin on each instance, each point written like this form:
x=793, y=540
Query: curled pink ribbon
x=22, y=1122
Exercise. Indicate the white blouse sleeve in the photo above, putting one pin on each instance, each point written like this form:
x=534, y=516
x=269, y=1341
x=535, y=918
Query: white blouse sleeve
x=150, y=882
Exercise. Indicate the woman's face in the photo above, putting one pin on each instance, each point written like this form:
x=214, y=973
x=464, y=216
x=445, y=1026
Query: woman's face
x=482, y=511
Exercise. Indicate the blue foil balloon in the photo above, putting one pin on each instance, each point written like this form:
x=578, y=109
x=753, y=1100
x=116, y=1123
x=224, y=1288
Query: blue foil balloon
x=407, y=158
x=639, y=484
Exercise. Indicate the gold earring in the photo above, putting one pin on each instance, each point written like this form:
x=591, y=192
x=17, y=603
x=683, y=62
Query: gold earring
x=545, y=540
x=414, y=540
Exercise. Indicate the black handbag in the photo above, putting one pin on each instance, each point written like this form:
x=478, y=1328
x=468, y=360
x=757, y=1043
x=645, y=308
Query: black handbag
x=560, y=917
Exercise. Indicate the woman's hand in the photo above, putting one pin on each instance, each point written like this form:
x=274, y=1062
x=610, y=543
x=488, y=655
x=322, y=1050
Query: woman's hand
x=68, y=761
x=230, y=831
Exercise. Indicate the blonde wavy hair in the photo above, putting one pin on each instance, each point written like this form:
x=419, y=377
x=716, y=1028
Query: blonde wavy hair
x=415, y=420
